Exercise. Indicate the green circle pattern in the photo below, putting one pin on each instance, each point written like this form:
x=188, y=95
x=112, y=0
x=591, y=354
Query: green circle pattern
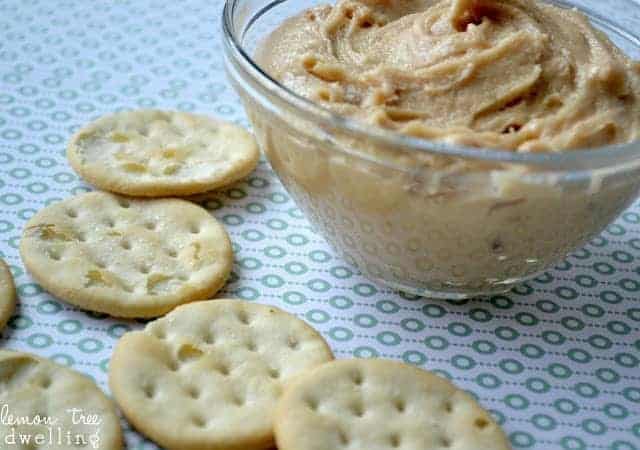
x=556, y=360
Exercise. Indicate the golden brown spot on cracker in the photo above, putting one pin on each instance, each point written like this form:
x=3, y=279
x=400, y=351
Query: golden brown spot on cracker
x=189, y=353
x=96, y=278
x=481, y=423
x=171, y=169
x=196, y=250
x=119, y=137
x=169, y=153
x=157, y=282
x=105, y=278
x=48, y=232
x=134, y=167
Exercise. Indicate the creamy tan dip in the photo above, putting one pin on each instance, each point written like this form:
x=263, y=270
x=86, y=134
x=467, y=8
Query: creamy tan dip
x=511, y=74
x=516, y=75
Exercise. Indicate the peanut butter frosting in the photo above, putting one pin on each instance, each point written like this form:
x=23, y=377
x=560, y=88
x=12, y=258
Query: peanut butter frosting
x=518, y=75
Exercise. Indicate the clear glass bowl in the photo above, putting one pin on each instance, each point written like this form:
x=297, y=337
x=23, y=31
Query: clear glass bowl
x=380, y=199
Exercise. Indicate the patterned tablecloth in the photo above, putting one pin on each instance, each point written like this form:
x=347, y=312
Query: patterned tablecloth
x=556, y=360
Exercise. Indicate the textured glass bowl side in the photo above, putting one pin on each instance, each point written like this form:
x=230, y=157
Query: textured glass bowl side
x=363, y=190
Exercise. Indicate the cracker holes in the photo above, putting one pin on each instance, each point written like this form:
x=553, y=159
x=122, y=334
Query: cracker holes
x=481, y=423
x=357, y=378
x=124, y=203
x=109, y=223
x=448, y=407
x=101, y=264
x=173, y=366
x=394, y=440
x=81, y=237
x=72, y=213
x=251, y=346
x=151, y=226
x=125, y=244
x=223, y=369
x=400, y=405
x=144, y=269
x=171, y=252
x=194, y=228
x=199, y=421
x=193, y=392
x=45, y=383
x=149, y=390
x=274, y=373
x=209, y=338
x=54, y=255
x=293, y=343
x=243, y=317
x=445, y=442
x=238, y=399
x=357, y=409
x=159, y=333
x=343, y=438
x=312, y=404
x=182, y=278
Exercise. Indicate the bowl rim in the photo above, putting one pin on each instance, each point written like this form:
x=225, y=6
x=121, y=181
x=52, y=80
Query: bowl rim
x=569, y=160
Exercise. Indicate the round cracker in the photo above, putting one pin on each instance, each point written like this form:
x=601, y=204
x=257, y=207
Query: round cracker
x=378, y=404
x=68, y=406
x=7, y=294
x=127, y=257
x=151, y=153
x=208, y=375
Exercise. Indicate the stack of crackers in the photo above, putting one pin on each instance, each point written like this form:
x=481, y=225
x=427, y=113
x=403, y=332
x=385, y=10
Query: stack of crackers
x=220, y=374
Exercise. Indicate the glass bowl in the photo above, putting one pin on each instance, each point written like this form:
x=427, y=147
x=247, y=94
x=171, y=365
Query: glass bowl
x=384, y=202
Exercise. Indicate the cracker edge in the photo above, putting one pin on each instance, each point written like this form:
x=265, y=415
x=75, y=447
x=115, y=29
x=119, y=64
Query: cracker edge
x=151, y=309
x=108, y=402
x=7, y=310
x=282, y=410
x=158, y=188
x=141, y=424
